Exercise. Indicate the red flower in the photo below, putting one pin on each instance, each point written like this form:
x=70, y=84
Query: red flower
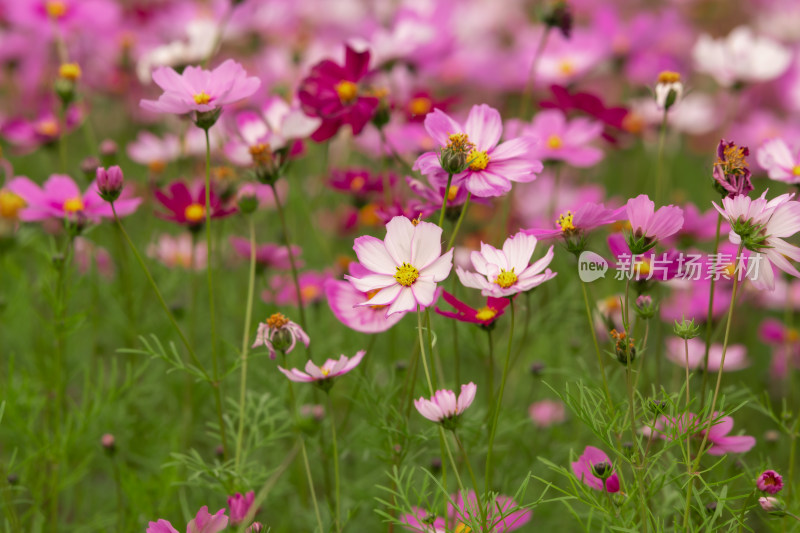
x=613, y=117
x=485, y=316
x=188, y=208
x=332, y=93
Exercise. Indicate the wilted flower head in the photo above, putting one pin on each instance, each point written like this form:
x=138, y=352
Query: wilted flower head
x=323, y=375
x=669, y=89
x=279, y=333
x=770, y=481
x=444, y=407
x=731, y=171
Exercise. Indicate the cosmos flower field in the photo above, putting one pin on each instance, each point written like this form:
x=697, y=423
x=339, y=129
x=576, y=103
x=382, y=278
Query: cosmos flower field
x=399, y=265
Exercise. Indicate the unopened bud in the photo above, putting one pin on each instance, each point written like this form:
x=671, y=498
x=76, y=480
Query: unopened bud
x=645, y=307
x=686, y=329
x=559, y=16
x=771, y=505
x=602, y=470
x=109, y=183
x=247, y=203
x=109, y=443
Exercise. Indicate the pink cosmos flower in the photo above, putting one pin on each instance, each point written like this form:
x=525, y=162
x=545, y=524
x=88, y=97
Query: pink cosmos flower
x=587, y=217
x=538, y=204
x=179, y=252
x=201, y=91
x=278, y=333
x=669, y=428
x=405, y=267
x=593, y=464
x=344, y=299
x=780, y=162
x=89, y=255
x=333, y=93
x=267, y=255
x=698, y=225
x=60, y=198
x=203, y=522
x=504, y=514
x=187, y=206
x=153, y=151
x=240, y=505
x=785, y=342
x=323, y=375
x=735, y=357
x=493, y=166
x=485, y=316
x=29, y=134
x=284, y=292
x=506, y=272
x=444, y=406
x=546, y=413
x=649, y=225
x=562, y=140
x=771, y=221
x=612, y=117
x=770, y=482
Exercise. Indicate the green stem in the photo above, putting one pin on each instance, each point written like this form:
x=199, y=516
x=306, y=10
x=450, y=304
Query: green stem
x=662, y=135
x=721, y=363
x=335, y=463
x=744, y=509
x=265, y=490
x=444, y=199
x=248, y=315
x=481, y=508
x=422, y=351
x=295, y=277
x=600, y=360
x=311, y=485
x=709, y=319
x=210, y=272
x=496, y=413
x=464, y=207
x=490, y=374
x=686, y=353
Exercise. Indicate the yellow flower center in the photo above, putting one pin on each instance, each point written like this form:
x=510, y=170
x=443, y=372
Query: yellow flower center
x=462, y=528
x=277, y=321
x=459, y=143
x=261, y=153
x=347, y=91
x=734, y=159
x=194, y=212
x=642, y=267
x=506, y=278
x=730, y=270
x=796, y=170
x=554, y=142
x=478, y=160
x=357, y=183
x=73, y=205
x=486, y=313
x=55, y=8
x=48, y=128
x=420, y=105
x=10, y=204
x=611, y=304
x=792, y=335
x=309, y=292
x=69, y=71
x=565, y=222
x=566, y=67
x=668, y=76
x=452, y=192
x=223, y=173
x=156, y=167
x=325, y=371
x=406, y=275
x=202, y=98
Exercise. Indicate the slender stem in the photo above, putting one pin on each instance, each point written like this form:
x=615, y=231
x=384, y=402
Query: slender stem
x=265, y=490
x=686, y=353
x=472, y=477
x=721, y=363
x=464, y=207
x=386, y=144
x=496, y=413
x=662, y=135
x=490, y=374
x=210, y=273
x=295, y=277
x=335, y=462
x=436, y=364
x=529, y=84
x=422, y=351
x=248, y=314
x=709, y=319
x=688, y=509
x=744, y=509
x=444, y=199
x=600, y=361
x=156, y=290
x=311, y=485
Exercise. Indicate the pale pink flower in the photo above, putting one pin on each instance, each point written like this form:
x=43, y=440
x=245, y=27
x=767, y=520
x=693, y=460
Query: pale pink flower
x=649, y=225
x=153, y=151
x=735, y=356
x=546, y=413
x=344, y=299
x=405, y=267
x=562, y=140
x=179, y=252
x=444, y=405
x=330, y=369
x=780, y=162
x=199, y=90
x=507, y=272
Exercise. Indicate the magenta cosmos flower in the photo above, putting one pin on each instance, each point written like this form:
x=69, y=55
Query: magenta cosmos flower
x=781, y=162
x=594, y=466
x=563, y=140
x=323, y=375
x=333, y=93
x=485, y=316
x=239, y=505
x=770, y=481
x=278, y=333
x=763, y=225
x=669, y=428
x=546, y=413
x=203, y=522
x=503, y=514
x=492, y=166
x=188, y=207
x=59, y=197
x=735, y=356
x=405, y=267
x=648, y=225
x=506, y=272
x=586, y=218
x=201, y=91
x=344, y=299
x=444, y=406
x=267, y=255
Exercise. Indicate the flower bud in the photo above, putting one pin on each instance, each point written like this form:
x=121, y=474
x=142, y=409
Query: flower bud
x=623, y=347
x=770, y=482
x=645, y=307
x=771, y=505
x=109, y=183
x=255, y=527
x=559, y=16
x=602, y=470
x=669, y=89
x=89, y=166
x=657, y=407
x=109, y=443
x=686, y=329
x=247, y=203
x=108, y=150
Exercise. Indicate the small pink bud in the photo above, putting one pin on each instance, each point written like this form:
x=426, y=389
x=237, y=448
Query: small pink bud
x=108, y=442
x=109, y=183
x=770, y=504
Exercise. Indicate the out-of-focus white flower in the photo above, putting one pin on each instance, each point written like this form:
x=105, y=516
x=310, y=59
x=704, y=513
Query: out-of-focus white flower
x=201, y=35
